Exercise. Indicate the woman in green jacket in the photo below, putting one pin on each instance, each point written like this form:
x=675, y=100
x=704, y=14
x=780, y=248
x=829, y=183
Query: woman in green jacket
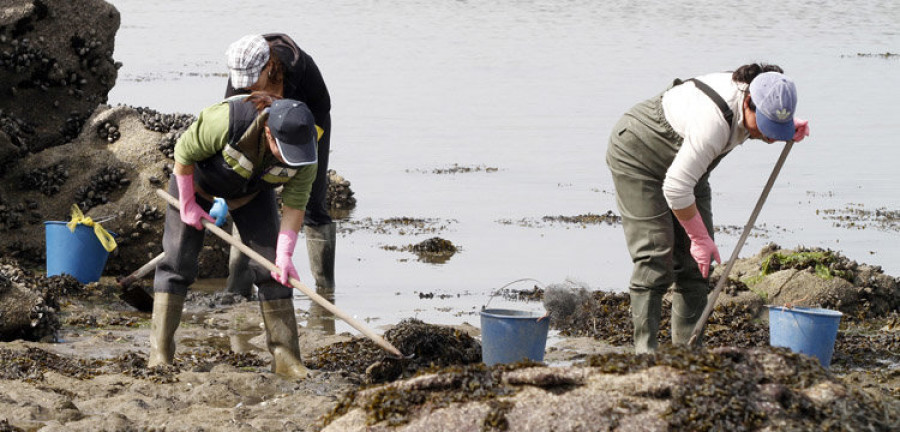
x=240, y=150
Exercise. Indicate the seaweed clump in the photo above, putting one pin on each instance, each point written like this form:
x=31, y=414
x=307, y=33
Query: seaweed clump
x=31, y=365
x=428, y=345
x=433, y=251
x=607, y=316
x=752, y=389
x=824, y=263
x=395, y=403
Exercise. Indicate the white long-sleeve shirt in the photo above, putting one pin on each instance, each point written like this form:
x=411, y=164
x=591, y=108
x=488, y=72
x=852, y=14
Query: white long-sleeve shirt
x=697, y=119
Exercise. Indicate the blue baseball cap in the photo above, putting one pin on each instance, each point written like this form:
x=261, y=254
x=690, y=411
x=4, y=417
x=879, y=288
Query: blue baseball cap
x=294, y=128
x=775, y=97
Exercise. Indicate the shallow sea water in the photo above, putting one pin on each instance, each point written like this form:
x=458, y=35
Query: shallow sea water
x=532, y=88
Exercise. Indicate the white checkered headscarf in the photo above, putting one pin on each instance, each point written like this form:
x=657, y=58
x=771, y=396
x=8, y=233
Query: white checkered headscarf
x=246, y=59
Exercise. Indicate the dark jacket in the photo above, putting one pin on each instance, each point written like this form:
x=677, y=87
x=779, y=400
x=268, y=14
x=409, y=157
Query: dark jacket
x=303, y=81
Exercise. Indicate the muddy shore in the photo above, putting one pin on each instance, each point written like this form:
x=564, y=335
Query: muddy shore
x=94, y=377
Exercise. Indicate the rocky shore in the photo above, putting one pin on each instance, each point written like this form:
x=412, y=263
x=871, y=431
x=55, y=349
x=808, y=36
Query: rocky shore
x=89, y=371
x=73, y=356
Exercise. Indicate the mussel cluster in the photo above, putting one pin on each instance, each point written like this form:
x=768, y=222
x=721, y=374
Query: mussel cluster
x=31, y=311
x=41, y=71
x=107, y=180
x=73, y=125
x=109, y=132
x=16, y=129
x=339, y=195
x=89, y=51
x=47, y=180
x=158, y=122
x=14, y=216
x=172, y=125
x=145, y=215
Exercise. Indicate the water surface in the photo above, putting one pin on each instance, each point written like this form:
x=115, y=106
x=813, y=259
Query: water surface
x=532, y=88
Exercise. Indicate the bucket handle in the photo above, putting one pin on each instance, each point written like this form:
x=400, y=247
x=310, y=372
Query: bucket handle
x=496, y=291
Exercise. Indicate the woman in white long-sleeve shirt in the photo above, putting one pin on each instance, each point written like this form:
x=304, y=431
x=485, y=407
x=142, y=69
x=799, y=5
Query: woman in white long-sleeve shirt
x=660, y=154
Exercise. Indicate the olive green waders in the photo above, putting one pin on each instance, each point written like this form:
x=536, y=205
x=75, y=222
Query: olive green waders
x=641, y=148
x=167, y=310
x=282, y=339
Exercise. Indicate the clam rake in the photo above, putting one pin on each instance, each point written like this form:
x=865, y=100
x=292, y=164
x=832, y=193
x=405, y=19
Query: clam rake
x=714, y=295
x=268, y=265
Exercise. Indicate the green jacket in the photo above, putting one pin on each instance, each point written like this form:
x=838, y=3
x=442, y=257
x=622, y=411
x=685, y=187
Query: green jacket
x=230, y=166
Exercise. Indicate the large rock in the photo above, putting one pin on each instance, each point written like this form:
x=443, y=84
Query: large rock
x=818, y=278
x=761, y=389
x=56, y=66
x=114, y=182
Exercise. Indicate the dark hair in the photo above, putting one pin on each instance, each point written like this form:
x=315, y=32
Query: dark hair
x=746, y=73
x=276, y=73
x=262, y=100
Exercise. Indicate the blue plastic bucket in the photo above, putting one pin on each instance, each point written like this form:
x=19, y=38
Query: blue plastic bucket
x=810, y=331
x=509, y=336
x=79, y=254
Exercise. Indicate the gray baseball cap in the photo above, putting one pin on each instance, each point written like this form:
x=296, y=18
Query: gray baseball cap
x=294, y=128
x=775, y=97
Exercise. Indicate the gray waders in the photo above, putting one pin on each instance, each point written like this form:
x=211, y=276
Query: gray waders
x=258, y=220
x=641, y=149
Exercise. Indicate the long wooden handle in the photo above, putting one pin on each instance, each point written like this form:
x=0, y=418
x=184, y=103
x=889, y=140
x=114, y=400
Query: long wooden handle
x=139, y=273
x=255, y=256
x=714, y=295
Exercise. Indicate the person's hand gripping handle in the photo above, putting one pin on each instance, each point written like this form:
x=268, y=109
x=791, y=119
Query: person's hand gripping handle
x=801, y=129
x=219, y=211
x=703, y=248
x=191, y=213
x=284, y=252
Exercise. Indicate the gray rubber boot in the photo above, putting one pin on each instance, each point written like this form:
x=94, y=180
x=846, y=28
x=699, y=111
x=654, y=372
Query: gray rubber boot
x=687, y=307
x=320, y=319
x=240, y=277
x=167, y=310
x=282, y=339
x=320, y=243
x=646, y=308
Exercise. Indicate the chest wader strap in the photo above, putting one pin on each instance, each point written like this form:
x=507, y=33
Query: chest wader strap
x=726, y=112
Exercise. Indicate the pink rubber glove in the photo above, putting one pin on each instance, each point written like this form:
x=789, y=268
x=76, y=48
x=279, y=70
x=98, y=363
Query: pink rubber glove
x=191, y=213
x=703, y=249
x=283, y=252
x=801, y=129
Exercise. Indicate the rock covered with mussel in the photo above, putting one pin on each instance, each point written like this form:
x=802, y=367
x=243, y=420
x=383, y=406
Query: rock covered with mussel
x=56, y=66
x=111, y=181
x=29, y=303
x=339, y=196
